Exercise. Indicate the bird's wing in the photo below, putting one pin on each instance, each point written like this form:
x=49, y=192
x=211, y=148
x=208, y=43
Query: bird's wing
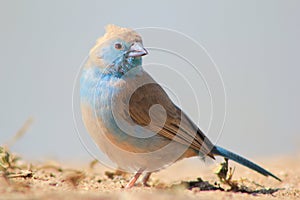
x=168, y=120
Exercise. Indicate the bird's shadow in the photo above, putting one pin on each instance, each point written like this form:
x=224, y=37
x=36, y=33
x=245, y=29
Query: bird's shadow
x=202, y=185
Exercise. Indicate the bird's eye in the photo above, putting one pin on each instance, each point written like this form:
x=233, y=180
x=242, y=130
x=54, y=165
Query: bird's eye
x=118, y=46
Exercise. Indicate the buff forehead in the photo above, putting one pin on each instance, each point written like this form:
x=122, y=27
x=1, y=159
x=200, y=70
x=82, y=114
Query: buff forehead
x=116, y=32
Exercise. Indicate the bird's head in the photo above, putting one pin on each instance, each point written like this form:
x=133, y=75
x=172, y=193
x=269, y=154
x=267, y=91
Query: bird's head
x=118, y=51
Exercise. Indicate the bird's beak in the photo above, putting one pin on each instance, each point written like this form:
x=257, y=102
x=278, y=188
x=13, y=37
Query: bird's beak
x=137, y=50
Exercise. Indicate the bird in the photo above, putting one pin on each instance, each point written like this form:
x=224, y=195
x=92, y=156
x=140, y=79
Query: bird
x=131, y=118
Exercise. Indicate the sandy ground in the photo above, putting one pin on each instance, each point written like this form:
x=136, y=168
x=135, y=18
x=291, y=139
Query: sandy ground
x=187, y=179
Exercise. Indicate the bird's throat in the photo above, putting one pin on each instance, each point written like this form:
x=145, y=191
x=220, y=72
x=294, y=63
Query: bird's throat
x=120, y=68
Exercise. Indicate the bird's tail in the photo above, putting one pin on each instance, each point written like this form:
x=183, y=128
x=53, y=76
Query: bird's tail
x=243, y=161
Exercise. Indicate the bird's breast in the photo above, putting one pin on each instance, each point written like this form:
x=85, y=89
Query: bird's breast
x=104, y=106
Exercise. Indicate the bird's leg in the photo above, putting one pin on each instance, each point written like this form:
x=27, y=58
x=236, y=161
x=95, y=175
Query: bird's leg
x=146, y=178
x=134, y=179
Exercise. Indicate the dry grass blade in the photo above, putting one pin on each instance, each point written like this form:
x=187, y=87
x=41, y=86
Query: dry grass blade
x=93, y=163
x=20, y=132
x=22, y=173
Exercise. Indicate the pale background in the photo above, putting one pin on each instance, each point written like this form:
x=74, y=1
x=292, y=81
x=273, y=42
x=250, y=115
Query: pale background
x=254, y=43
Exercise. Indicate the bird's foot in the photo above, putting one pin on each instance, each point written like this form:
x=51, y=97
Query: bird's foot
x=145, y=179
x=133, y=179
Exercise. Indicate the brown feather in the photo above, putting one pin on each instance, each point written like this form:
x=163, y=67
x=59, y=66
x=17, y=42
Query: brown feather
x=177, y=126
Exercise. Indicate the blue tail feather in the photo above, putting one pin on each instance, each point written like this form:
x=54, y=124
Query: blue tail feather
x=243, y=161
